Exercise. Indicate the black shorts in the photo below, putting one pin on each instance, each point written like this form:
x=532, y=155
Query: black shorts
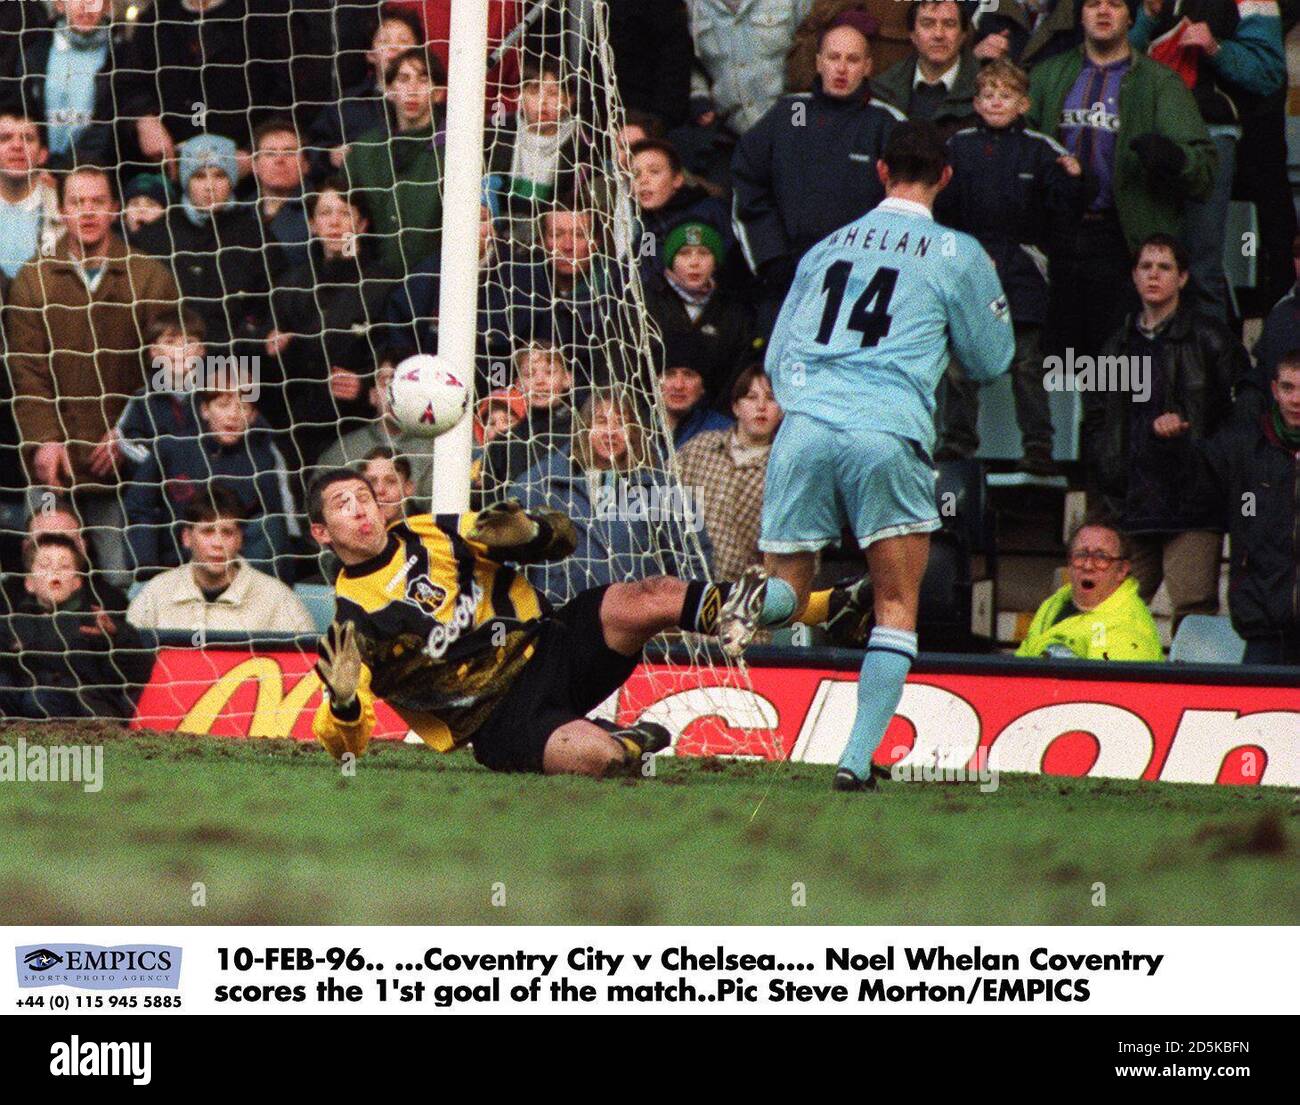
x=572, y=671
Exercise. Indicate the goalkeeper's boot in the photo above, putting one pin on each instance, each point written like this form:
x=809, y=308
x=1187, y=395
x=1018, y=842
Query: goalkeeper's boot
x=740, y=614
x=645, y=738
x=852, y=606
x=846, y=782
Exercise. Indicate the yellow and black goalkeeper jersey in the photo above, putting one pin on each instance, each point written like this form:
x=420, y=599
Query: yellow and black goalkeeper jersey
x=443, y=627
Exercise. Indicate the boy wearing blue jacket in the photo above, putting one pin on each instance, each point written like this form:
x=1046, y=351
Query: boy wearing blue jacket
x=235, y=448
x=1010, y=188
x=165, y=406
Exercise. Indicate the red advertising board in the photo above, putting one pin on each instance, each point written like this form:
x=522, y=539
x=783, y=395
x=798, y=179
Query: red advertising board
x=1173, y=729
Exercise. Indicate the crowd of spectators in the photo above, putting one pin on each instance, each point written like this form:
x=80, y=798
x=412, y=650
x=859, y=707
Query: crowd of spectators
x=191, y=185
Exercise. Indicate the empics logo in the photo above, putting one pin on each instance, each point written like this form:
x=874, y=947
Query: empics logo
x=102, y=1059
x=42, y=959
x=92, y=967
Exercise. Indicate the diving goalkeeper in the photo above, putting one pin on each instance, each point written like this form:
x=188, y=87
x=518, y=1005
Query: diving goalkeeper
x=432, y=618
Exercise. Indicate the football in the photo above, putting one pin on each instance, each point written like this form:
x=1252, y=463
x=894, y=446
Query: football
x=426, y=397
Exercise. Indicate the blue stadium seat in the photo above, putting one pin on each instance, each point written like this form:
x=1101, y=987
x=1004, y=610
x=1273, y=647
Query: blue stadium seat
x=1206, y=639
x=319, y=600
x=1000, y=434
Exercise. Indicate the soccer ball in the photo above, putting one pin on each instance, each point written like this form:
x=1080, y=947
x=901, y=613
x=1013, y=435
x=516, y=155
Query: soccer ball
x=426, y=397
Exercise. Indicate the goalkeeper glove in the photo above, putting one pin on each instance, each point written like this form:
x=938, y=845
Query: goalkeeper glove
x=504, y=526
x=339, y=666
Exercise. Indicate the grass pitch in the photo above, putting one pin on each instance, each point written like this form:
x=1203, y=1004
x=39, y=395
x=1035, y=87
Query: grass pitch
x=276, y=835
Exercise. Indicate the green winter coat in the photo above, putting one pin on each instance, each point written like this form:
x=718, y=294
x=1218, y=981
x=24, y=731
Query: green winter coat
x=400, y=176
x=1152, y=99
x=1121, y=628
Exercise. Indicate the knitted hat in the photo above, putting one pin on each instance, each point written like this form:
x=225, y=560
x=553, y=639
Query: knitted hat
x=204, y=150
x=693, y=234
x=153, y=185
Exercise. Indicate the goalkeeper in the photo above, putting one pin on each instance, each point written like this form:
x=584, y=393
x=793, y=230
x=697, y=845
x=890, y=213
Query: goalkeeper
x=432, y=618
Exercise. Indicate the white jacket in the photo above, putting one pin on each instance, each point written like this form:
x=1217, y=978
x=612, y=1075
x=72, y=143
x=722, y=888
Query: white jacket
x=254, y=602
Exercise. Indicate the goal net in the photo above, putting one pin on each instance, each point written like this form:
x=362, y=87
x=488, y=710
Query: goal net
x=280, y=167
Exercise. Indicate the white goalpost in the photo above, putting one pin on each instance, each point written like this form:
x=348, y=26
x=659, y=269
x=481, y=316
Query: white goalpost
x=461, y=192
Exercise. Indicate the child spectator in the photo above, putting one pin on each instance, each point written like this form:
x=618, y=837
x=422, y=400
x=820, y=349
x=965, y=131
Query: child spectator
x=399, y=173
x=1011, y=188
x=213, y=246
x=235, y=448
x=725, y=470
x=544, y=385
x=58, y=516
x=497, y=414
x=63, y=655
x=686, y=298
x=217, y=590
x=144, y=201
x=29, y=205
x=533, y=152
x=361, y=107
x=668, y=198
x=165, y=406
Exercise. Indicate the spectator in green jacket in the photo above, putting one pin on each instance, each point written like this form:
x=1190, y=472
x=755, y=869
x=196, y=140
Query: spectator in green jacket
x=398, y=172
x=1099, y=614
x=1141, y=164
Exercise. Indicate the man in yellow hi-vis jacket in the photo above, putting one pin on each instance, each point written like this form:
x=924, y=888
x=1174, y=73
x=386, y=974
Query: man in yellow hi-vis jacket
x=1098, y=615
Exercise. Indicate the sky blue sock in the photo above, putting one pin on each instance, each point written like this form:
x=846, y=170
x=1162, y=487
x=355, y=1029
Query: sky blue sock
x=890, y=653
x=778, y=602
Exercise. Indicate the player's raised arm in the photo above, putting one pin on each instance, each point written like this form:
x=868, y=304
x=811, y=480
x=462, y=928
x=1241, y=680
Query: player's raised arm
x=508, y=532
x=979, y=318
